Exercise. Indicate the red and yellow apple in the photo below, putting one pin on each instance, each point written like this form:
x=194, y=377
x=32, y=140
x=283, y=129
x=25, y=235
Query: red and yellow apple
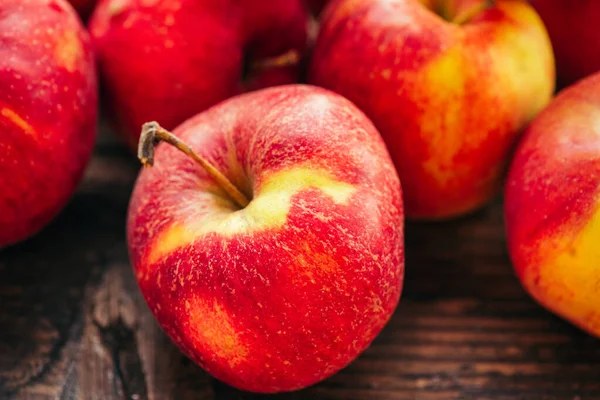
x=288, y=289
x=573, y=28
x=47, y=112
x=449, y=84
x=167, y=60
x=552, y=206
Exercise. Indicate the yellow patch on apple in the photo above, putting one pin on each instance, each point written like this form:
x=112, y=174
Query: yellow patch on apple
x=211, y=325
x=444, y=130
x=68, y=51
x=17, y=120
x=268, y=209
x=516, y=74
x=567, y=265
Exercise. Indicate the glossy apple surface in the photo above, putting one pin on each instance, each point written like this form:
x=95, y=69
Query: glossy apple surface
x=48, y=112
x=553, y=206
x=287, y=291
x=573, y=28
x=449, y=84
x=167, y=60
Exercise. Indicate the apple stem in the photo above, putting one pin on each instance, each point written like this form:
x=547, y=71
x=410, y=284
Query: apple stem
x=153, y=134
x=289, y=58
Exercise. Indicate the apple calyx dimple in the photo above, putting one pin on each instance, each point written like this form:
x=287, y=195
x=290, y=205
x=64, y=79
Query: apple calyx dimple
x=152, y=134
x=466, y=13
x=458, y=12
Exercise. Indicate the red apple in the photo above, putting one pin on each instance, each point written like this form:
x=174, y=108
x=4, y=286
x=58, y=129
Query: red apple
x=573, y=28
x=553, y=206
x=47, y=112
x=450, y=93
x=167, y=60
x=84, y=7
x=282, y=292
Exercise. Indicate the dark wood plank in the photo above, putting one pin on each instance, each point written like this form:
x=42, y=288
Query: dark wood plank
x=74, y=326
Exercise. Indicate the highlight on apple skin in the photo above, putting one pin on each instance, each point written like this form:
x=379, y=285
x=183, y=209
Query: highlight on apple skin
x=552, y=206
x=573, y=29
x=167, y=60
x=450, y=93
x=48, y=112
x=290, y=289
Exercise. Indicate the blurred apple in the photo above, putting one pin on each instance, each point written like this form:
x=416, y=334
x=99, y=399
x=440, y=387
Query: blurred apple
x=167, y=60
x=48, y=112
x=553, y=206
x=449, y=84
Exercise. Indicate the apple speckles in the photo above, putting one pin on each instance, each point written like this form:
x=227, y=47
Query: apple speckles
x=322, y=235
x=314, y=261
x=268, y=209
x=18, y=121
x=211, y=330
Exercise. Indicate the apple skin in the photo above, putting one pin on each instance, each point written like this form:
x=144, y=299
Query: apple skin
x=83, y=7
x=573, y=29
x=289, y=290
x=552, y=206
x=450, y=100
x=167, y=60
x=48, y=111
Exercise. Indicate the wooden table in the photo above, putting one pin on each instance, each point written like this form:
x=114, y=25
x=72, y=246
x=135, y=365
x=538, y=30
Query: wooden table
x=74, y=326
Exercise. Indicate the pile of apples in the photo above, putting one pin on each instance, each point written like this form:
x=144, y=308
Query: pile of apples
x=268, y=238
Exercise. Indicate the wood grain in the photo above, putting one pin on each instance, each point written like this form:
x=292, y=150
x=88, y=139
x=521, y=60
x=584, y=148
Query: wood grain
x=74, y=326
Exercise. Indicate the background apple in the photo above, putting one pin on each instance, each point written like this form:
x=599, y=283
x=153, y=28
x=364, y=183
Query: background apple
x=48, y=111
x=553, y=206
x=167, y=60
x=450, y=93
x=573, y=28
x=288, y=290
